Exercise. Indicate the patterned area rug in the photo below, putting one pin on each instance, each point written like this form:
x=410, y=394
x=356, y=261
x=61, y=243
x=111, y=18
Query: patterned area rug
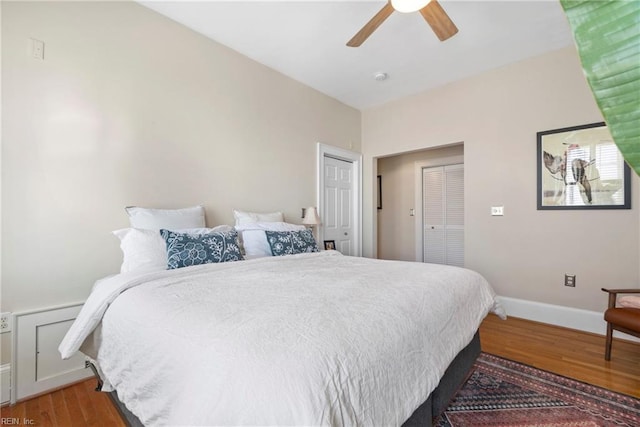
x=504, y=393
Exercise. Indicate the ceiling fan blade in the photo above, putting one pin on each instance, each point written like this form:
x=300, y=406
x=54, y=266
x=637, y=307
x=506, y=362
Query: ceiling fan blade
x=439, y=21
x=371, y=26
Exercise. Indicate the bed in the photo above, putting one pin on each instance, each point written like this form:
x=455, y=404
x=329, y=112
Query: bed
x=307, y=339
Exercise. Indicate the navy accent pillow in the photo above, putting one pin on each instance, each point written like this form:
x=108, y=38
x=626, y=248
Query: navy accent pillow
x=291, y=242
x=184, y=250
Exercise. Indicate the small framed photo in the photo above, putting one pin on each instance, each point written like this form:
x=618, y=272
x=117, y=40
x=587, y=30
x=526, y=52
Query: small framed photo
x=580, y=167
x=329, y=245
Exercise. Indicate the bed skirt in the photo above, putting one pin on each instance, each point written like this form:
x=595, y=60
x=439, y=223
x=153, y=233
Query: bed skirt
x=438, y=400
x=455, y=375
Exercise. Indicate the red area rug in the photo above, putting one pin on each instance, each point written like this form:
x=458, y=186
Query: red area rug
x=504, y=393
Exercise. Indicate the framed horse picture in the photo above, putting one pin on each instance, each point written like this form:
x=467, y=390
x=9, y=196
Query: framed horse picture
x=581, y=167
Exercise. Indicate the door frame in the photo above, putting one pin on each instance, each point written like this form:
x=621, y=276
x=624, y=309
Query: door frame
x=418, y=166
x=325, y=150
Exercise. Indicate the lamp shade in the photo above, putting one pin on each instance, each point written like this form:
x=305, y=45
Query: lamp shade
x=311, y=216
x=408, y=6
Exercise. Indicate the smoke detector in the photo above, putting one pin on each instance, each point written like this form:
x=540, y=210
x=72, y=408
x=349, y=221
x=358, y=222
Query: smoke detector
x=380, y=76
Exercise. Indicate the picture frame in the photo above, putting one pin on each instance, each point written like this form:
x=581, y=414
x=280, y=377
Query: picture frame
x=580, y=167
x=379, y=194
x=329, y=245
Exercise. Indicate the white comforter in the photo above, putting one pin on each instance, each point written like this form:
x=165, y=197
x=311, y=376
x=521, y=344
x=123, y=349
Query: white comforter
x=310, y=339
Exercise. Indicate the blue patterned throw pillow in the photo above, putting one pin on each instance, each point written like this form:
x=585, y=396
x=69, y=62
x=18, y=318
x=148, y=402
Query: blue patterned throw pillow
x=291, y=242
x=184, y=250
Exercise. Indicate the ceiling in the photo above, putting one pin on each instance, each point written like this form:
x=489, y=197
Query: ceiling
x=305, y=40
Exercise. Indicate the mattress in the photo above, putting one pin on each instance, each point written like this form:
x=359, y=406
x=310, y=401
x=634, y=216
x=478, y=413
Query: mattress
x=309, y=339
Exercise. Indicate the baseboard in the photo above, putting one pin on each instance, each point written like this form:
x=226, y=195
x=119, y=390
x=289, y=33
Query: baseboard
x=558, y=315
x=5, y=383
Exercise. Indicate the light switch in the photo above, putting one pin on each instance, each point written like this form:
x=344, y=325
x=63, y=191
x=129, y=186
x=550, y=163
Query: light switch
x=497, y=210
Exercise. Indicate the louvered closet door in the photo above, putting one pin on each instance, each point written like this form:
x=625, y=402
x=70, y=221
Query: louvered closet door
x=443, y=214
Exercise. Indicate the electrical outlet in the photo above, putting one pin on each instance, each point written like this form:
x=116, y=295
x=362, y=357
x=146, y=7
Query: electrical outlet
x=5, y=322
x=570, y=280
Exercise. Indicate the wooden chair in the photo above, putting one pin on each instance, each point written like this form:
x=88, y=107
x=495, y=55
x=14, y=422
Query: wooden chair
x=623, y=319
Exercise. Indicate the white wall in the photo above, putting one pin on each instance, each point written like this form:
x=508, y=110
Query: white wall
x=526, y=253
x=130, y=108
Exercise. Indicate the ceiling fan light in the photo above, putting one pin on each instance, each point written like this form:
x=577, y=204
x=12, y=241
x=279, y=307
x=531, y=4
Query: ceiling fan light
x=408, y=6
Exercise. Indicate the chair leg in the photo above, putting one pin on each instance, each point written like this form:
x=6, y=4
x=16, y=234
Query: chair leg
x=607, y=348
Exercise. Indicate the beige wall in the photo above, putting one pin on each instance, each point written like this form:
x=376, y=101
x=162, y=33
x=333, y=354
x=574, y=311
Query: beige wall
x=497, y=115
x=396, y=228
x=130, y=108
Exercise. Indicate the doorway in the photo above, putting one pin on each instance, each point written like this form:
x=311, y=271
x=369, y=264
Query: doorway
x=399, y=224
x=340, y=198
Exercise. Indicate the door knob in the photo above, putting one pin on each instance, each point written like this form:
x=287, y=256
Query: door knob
x=346, y=234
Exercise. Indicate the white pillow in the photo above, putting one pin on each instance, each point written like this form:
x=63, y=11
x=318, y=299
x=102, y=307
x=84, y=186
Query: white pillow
x=145, y=250
x=170, y=219
x=254, y=239
x=253, y=217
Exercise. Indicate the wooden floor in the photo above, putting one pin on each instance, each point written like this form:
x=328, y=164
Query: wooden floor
x=567, y=352
x=78, y=405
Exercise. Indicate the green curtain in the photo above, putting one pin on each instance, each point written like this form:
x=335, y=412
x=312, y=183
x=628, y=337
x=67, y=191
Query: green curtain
x=607, y=35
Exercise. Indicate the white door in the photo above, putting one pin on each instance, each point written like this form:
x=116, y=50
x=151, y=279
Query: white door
x=443, y=214
x=337, y=218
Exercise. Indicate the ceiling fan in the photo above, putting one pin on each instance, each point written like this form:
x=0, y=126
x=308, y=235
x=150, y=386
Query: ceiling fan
x=431, y=11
